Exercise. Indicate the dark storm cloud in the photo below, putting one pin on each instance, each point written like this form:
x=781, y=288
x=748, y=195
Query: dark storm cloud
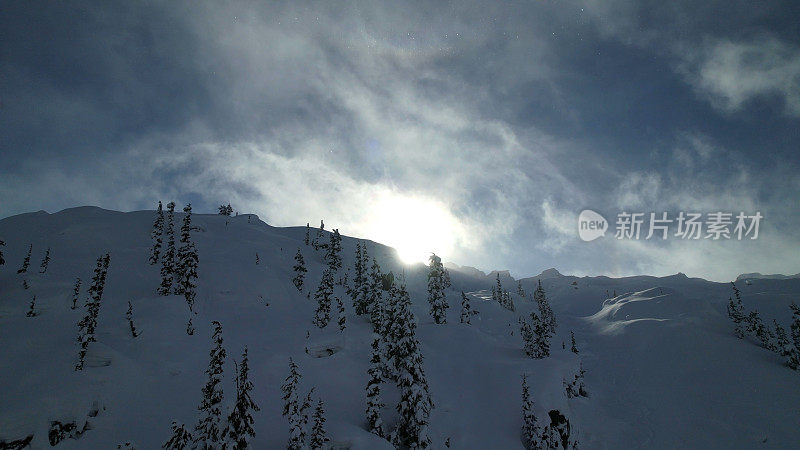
x=512, y=117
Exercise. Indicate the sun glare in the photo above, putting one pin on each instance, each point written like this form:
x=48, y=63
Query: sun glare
x=414, y=226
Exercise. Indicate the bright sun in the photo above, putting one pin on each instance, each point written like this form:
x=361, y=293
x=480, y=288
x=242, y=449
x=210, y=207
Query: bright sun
x=414, y=226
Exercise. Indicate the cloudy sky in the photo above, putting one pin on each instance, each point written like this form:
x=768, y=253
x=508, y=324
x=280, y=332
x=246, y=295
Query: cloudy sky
x=476, y=130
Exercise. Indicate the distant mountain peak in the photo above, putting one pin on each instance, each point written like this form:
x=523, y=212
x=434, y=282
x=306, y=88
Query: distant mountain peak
x=549, y=273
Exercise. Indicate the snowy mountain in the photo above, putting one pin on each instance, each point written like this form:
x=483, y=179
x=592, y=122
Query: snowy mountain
x=663, y=367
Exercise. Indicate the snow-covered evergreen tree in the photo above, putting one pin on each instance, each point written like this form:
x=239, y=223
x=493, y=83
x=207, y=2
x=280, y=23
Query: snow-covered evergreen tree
x=27, y=261
x=318, y=434
x=306, y=240
x=760, y=331
x=155, y=235
x=225, y=210
x=129, y=317
x=436, y=287
x=76, y=292
x=299, y=271
x=576, y=387
x=506, y=301
x=545, y=311
x=530, y=429
x=794, y=357
x=573, y=348
x=181, y=439
x=333, y=252
x=466, y=309
x=207, y=431
x=2, y=261
x=315, y=243
x=520, y=291
x=292, y=408
x=45, y=261
x=88, y=325
x=342, y=313
x=736, y=313
x=298, y=430
x=497, y=290
x=168, y=259
x=32, y=310
x=240, y=421
x=782, y=344
x=535, y=336
x=258, y=260
x=374, y=402
x=415, y=403
x=358, y=292
x=289, y=389
x=187, y=261
x=374, y=295
x=323, y=296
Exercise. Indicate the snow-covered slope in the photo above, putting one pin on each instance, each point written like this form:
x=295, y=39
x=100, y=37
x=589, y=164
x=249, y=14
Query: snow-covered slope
x=663, y=367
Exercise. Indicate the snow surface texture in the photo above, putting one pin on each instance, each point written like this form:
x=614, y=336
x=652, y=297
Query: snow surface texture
x=663, y=368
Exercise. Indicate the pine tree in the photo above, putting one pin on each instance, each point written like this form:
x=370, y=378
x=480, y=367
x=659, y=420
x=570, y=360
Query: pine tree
x=187, y=261
x=168, y=261
x=466, y=309
x=299, y=271
x=576, y=388
x=436, y=287
x=520, y=291
x=573, y=348
x=207, y=430
x=289, y=389
x=225, y=210
x=32, y=311
x=342, y=315
x=497, y=291
x=240, y=421
x=373, y=293
x=506, y=301
x=190, y=327
x=25, y=284
x=761, y=332
x=27, y=261
x=782, y=345
x=76, y=291
x=292, y=408
x=530, y=430
x=258, y=260
x=155, y=235
x=415, y=400
x=545, y=311
x=736, y=312
x=45, y=261
x=323, y=296
x=333, y=252
x=308, y=230
x=180, y=439
x=88, y=325
x=129, y=316
x=2, y=261
x=374, y=402
x=535, y=336
x=794, y=358
x=360, y=280
x=318, y=434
